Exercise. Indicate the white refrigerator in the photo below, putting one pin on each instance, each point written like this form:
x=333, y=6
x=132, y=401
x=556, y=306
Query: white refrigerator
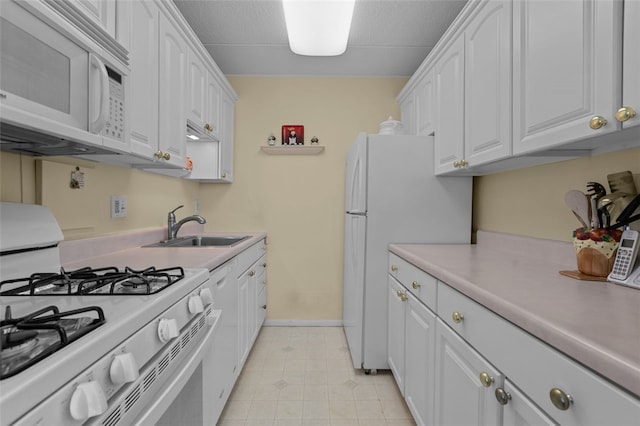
x=392, y=196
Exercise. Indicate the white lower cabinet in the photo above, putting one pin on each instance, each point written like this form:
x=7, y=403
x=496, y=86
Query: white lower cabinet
x=465, y=365
x=465, y=383
x=240, y=323
x=251, y=298
x=411, y=339
x=419, y=360
x=396, y=331
x=518, y=409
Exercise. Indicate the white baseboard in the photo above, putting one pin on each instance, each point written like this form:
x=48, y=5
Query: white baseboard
x=303, y=323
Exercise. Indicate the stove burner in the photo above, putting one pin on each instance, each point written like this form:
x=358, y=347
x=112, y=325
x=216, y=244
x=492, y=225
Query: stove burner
x=16, y=341
x=29, y=339
x=88, y=281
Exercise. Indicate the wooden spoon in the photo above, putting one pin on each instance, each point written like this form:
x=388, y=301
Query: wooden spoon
x=578, y=202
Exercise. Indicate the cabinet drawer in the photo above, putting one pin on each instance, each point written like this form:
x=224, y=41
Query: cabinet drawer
x=250, y=255
x=537, y=368
x=418, y=282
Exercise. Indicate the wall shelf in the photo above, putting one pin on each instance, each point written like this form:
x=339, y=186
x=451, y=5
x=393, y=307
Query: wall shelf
x=292, y=149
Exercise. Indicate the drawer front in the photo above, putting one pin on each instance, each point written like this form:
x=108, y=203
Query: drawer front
x=535, y=367
x=250, y=255
x=418, y=282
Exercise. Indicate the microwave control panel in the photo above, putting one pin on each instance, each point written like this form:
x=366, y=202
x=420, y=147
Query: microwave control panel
x=114, y=127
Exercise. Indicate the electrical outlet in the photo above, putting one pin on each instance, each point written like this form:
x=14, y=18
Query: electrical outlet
x=196, y=206
x=118, y=206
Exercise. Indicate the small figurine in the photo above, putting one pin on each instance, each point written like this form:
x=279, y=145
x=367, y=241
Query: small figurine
x=272, y=140
x=314, y=141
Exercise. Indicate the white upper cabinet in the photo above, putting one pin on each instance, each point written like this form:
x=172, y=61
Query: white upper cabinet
x=172, y=77
x=101, y=12
x=408, y=114
x=566, y=68
x=487, y=86
x=425, y=98
x=449, y=133
x=226, y=138
x=142, y=90
x=213, y=107
x=196, y=90
x=473, y=92
x=631, y=65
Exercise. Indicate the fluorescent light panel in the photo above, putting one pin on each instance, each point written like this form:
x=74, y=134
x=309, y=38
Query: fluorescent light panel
x=318, y=27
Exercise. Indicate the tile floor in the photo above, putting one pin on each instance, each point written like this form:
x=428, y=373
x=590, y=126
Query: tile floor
x=304, y=376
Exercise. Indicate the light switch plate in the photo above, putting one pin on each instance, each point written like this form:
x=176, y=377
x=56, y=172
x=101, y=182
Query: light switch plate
x=118, y=206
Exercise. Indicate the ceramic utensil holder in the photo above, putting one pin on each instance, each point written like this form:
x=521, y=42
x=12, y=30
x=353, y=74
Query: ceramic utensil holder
x=595, y=258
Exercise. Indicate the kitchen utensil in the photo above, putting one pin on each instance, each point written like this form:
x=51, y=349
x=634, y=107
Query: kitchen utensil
x=622, y=182
x=604, y=215
x=578, y=202
x=596, y=191
x=626, y=217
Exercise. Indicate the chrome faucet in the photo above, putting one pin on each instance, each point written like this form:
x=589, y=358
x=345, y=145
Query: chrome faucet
x=173, y=227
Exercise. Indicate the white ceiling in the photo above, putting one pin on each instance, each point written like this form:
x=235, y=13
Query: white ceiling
x=388, y=37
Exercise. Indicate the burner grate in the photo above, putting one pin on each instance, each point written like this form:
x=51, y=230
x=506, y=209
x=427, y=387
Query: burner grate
x=40, y=334
x=94, y=281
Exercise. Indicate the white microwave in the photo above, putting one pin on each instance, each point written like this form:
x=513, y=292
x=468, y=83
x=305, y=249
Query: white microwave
x=55, y=85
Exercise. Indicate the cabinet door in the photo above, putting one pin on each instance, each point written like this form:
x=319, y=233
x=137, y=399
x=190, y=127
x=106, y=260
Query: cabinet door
x=226, y=139
x=487, y=88
x=520, y=410
x=461, y=398
x=260, y=300
x=424, y=105
x=408, y=114
x=449, y=133
x=631, y=61
x=172, y=78
x=262, y=303
x=100, y=12
x=396, y=301
x=142, y=90
x=243, y=319
x=566, y=69
x=420, y=339
x=196, y=90
x=213, y=107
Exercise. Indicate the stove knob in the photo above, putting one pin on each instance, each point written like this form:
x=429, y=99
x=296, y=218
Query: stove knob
x=124, y=369
x=195, y=304
x=206, y=296
x=167, y=329
x=87, y=400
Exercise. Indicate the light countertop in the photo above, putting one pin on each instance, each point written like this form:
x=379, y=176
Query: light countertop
x=122, y=250
x=595, y=323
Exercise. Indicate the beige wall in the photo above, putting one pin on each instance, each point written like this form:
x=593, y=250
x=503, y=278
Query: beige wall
x=85, y=212
x=531, y=201
x=298, y=200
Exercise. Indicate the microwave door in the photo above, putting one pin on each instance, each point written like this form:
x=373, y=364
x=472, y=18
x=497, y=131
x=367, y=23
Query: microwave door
x=41, y=70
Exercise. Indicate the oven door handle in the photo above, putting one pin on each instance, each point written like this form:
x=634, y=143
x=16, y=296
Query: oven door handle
x=155, y=410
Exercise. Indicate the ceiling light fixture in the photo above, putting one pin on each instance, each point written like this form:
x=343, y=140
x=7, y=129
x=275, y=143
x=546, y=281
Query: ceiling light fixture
x=318, y=27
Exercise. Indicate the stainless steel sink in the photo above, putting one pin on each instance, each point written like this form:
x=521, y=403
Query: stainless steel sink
x=201, y=241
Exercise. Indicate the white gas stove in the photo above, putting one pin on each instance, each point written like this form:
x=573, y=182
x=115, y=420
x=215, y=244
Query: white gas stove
x=102, y=346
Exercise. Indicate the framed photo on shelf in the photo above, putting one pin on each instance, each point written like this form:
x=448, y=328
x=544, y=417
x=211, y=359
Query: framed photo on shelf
x=292, y=134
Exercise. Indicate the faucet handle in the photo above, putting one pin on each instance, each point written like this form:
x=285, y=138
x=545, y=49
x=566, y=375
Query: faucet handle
x=173, y=211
